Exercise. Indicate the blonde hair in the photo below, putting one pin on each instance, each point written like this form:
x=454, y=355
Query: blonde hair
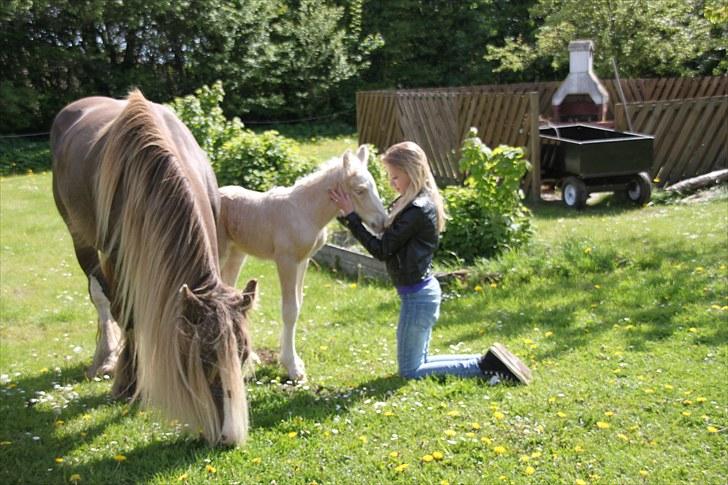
x=412, y=160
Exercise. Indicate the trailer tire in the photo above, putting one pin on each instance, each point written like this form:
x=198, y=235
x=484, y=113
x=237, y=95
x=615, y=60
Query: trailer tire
x=639, y=189
x=574, y=193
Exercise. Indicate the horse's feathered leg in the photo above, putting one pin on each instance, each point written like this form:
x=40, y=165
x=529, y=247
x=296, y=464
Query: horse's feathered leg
x=290, y=306
x=125, y=379
x=108, y=334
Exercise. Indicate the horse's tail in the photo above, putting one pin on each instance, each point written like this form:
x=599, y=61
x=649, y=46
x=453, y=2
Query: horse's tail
x=149, y=224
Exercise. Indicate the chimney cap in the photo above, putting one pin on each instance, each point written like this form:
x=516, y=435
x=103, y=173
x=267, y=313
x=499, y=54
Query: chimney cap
x=581, y=45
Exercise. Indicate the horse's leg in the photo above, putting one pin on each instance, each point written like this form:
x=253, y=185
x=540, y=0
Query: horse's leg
x=230, y=264
x=108, y=335
x=125, y=379
x=290, y=306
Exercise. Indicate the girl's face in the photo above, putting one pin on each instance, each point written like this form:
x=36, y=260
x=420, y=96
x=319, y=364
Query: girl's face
x=398, y=179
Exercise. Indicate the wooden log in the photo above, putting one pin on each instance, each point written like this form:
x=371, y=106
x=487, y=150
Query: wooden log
x=702, y=181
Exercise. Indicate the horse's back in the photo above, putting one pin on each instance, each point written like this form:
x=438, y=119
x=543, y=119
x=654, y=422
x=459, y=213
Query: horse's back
x=76, y=147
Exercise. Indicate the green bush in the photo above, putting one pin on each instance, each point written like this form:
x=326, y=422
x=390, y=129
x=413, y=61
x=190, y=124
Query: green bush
x=24, y=155
x=238, y=155
x=487, y=215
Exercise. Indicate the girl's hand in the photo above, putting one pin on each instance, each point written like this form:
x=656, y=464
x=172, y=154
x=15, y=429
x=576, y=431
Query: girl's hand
x=342, y=201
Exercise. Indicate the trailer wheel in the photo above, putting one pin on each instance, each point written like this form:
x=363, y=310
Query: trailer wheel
x=574, y=193
x=639, y=189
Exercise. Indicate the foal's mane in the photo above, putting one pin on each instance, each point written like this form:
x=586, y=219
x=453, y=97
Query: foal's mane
x=328, y=169
x=150, y=221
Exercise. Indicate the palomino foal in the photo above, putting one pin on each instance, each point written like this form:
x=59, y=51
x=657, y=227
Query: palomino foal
x=288, y=225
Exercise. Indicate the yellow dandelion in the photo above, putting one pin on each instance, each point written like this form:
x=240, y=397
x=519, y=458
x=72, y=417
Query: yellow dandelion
x=210, y=469
x=692, y=330
x=470, y=434
x=622, y=437
x=352, y=285
x=388, y=413
x=292, y=434
x=427, y=458
x=579, y=481
x=393, y=454
x=494, y=285
x=75, y=478
x=500, y=450
x=453, y=413
x=485, y=441
x=597, y=286
x=59, y=460
x=529, y=470
x=609, y=414
x=119, y=458
x=712, y=429
x=182, y=477
x=364, y=440
x=548, y=334
x=437, y=455
x=602, y=425
x=687, y=402
x=536, y=454
x=700, y=399
x=668, y=387
x=478, y=288
x=578, y=449
x=686, y=413
x=552, y=400
x=587, y=250
x=401, y=468
x=498, y=415
x=256, y=461
x=502, y=478
x=643, y=473
x=444, y=482
x=450, y=433
x=524, y=458
x=561, y=414
x=323, y=347
x=648, y=390
x=475, y=425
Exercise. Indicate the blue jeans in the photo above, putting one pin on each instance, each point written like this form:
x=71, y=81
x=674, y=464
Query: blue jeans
x=417, y=316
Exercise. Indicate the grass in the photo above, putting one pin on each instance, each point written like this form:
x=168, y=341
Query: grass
x=621, y=313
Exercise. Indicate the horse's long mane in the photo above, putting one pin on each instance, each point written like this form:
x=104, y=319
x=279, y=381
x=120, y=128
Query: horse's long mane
x=151, y=223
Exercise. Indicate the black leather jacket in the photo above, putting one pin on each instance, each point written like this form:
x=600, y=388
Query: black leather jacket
x=407, y=245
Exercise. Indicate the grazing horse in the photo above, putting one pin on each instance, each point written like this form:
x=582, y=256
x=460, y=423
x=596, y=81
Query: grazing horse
x=287, y=225
x=141, y=203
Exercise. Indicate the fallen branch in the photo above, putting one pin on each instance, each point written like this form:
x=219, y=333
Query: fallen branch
x=699, y=182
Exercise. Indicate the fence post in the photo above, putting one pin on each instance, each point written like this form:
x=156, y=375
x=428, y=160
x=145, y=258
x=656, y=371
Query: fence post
x=535, y=147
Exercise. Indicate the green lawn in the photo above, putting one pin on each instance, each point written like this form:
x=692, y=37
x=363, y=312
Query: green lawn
x=622, y=314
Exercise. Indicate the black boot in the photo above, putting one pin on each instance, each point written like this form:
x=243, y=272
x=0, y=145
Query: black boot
x=498, y=362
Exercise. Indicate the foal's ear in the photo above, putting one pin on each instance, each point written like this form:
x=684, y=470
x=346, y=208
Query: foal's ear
x=249, y=295
x=348, y=161
x=363, y=154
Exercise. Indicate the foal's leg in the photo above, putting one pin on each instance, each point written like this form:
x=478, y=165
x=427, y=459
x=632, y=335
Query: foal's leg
x=108, y=335
x=290, y=306
x=125, y=379
x=230, y=264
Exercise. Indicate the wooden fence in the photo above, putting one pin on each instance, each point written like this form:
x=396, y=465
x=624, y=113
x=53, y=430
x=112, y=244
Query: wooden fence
x=438, y=119
x=691, y=135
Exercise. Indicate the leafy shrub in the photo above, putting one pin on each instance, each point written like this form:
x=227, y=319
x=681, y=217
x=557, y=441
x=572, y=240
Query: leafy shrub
x=24, y=155
x=487, y=215
x=238, y=155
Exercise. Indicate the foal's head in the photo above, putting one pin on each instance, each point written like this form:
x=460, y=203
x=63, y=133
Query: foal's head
x=217, y=345
x=359, y=183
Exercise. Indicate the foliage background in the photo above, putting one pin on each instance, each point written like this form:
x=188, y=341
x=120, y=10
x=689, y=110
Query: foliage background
x=304, y=59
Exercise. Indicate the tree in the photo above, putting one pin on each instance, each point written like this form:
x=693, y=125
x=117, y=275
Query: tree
x=647, y=39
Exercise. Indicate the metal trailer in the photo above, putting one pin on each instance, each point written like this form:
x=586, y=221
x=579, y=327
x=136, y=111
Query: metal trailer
x=582, y=159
